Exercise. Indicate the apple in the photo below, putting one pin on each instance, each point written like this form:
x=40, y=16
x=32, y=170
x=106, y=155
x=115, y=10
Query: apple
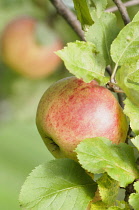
x=21, y=50
x=71, y=110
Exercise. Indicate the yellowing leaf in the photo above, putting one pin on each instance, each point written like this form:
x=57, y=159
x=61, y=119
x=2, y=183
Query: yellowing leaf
x=108, y=189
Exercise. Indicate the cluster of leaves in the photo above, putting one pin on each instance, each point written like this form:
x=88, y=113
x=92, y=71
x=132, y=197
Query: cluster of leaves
x=64, y=184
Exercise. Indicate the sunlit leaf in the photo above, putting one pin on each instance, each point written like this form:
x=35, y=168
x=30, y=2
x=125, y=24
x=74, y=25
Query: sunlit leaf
x=100, y=6
x=134, y=197
x=135, y=141
x=83, y=60
x=125, y=46
x=132, y=111
x=136, y=17
x=59, y=184
x=99, y=155
x=107, y=29
x=127, y=78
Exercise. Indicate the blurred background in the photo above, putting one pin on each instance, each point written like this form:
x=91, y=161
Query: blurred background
x=21, y=85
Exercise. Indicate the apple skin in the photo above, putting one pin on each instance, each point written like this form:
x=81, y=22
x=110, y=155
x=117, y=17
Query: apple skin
x=71, y=110
x=22, y=53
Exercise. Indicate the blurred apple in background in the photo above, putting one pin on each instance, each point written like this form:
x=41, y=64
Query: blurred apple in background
x=28, y=46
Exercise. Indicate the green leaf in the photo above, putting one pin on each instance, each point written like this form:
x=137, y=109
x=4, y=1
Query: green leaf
x=99, y=155
x=99, y=205
x=135, y=141
x=83, y=12
x=83, y=60
x=134, y=197
x=108, y=189
x=132, y=111
x=104, y=31
x=120, y=205
x=125, y=46
x=127, y=78
x=136, y=17
x=58, y=184
x=116, y=208
x=134, y=200
x=99, y=5
x=136, y=186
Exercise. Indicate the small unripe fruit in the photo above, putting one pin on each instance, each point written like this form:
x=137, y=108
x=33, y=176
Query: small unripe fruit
x=72, y=110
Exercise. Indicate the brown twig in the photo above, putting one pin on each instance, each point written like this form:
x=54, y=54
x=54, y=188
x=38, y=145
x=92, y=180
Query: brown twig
x=126, y=4
x=114, y=88
x=122, y=9
x=69, y=16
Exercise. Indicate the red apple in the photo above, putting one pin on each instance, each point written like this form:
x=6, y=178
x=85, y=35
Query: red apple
x=21, y=51
x=72, y=110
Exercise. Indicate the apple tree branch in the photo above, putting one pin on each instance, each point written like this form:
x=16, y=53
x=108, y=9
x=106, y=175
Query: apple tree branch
x=122, y=9
x=126, y=4
x=69, y=16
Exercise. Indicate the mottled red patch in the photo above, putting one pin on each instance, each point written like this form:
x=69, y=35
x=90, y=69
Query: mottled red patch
x=84, y=111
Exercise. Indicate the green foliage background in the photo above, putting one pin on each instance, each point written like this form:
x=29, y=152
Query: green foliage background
x=21, y=147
